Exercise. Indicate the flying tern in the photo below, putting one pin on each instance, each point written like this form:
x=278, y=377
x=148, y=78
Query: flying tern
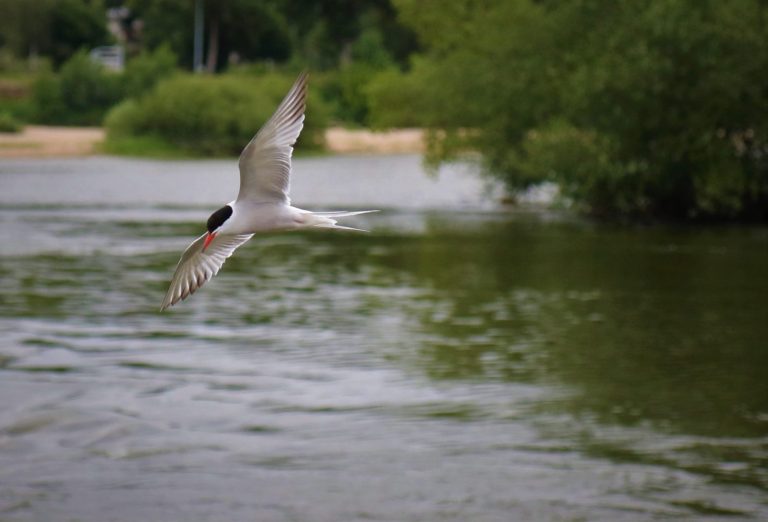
x=262, y=204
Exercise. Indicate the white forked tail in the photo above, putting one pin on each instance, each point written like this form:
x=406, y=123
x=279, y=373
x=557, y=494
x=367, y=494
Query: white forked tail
x=326, y=219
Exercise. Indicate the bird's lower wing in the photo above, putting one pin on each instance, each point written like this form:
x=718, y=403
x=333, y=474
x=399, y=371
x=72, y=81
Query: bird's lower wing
x=196, y=266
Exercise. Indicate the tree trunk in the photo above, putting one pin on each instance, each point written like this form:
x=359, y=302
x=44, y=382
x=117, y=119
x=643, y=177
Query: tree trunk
x=213, y=45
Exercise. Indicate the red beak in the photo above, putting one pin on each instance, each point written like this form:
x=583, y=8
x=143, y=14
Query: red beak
x=208, y=239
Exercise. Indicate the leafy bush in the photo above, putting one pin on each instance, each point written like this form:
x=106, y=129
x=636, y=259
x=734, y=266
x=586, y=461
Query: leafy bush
x=210, y=114
x=583, y=163
x=8, y=123
x=80, y=94
x=396, y=99
x=659, y=110
x=83, y=91
x=345, y=87
x=48, y=105
x=15, y=91
x=143, y=72
x=20, y=109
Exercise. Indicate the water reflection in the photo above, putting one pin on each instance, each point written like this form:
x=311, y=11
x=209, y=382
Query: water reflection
x=649, y=330
x=657, y=325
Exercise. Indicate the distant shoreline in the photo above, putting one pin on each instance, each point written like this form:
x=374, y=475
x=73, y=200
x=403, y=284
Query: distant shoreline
x=37, y=141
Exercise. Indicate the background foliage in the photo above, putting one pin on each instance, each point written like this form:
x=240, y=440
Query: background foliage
x=83, y=91
x=210, y=115
x=56, y=29
x=637, y=109
x=344, y=42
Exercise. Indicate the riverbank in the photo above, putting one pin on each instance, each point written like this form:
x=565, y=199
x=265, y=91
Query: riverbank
x=40, y=141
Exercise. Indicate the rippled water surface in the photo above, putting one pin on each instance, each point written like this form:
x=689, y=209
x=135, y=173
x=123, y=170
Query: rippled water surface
x=460, y=362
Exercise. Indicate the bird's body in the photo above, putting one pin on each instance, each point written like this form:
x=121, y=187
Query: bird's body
x=262, y=204
x=253, y=218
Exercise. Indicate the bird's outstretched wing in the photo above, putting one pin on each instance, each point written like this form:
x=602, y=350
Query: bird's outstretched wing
x=196, y=266
x=265, y=163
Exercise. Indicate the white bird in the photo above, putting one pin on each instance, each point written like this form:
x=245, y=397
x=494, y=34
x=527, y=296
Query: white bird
x=262, y=205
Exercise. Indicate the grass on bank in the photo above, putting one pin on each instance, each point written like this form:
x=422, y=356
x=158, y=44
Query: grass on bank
x=153, y=147
x=143, y=147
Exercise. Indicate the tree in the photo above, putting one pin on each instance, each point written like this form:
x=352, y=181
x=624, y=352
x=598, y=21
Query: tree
x=54, y=28
x=75, y=25
x=326, y=30
x=636, y=108
x=24, y=26
x=321, y=33
x=250, y=29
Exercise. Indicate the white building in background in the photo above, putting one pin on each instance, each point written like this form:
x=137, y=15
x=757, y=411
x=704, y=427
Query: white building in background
x=111, y=57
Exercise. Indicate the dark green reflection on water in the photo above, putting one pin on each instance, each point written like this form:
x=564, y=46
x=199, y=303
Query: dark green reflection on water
x=661, y=325
x=667, y=325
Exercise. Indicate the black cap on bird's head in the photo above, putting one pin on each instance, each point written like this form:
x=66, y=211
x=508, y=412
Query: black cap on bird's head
x=214, y=222
x=218, y=218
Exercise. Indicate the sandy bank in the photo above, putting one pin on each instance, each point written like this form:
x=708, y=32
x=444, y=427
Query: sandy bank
x=399, y=141
x=40, y=141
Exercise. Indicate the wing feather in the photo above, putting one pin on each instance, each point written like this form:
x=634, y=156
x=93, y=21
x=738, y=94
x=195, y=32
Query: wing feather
x=196, y=267
x=265, y=163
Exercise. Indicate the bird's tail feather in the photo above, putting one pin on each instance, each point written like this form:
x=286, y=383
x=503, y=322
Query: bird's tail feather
x=342, y=213
x=326, y=219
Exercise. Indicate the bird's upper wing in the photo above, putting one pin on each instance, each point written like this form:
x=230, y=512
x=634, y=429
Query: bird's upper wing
x=265, y=163
x=196, y=267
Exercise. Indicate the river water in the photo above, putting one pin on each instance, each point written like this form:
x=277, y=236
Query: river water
x=461, y=362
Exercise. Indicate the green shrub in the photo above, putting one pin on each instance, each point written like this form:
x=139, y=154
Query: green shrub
x=15, y=95
x=583, y=164
x=345, y=87
x=19, y=109
x=396, y=99
x=8, y=123
x=210, y=115
x=80, y=94
x=143, y=72
x=47, y=103
x=83, y=91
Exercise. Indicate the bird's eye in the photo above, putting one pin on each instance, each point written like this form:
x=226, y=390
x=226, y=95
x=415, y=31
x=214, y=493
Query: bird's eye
x=218, y=218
